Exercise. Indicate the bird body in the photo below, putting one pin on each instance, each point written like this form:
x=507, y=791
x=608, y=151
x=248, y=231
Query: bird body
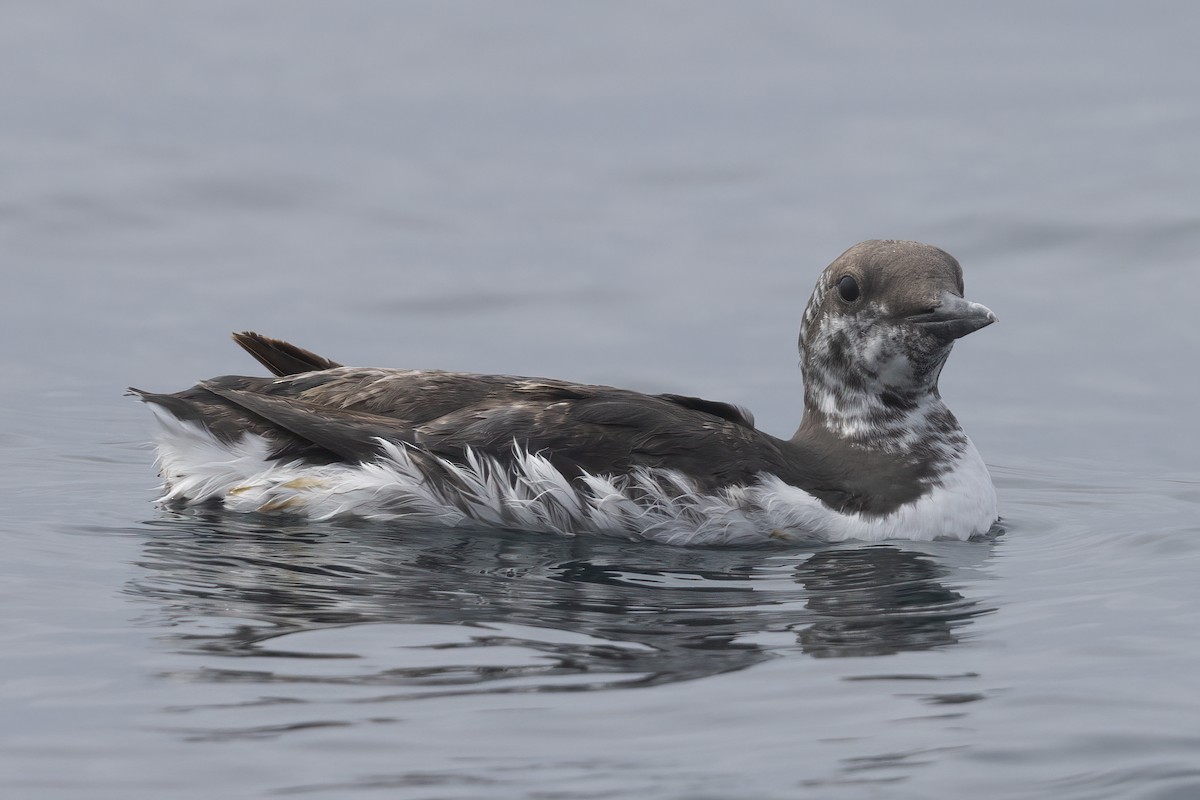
x=877, y=455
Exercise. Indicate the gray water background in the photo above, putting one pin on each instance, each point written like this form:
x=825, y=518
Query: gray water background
x=632, y=194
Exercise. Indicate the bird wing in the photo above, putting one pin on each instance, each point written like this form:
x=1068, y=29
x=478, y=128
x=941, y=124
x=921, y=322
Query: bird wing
x=340, y=414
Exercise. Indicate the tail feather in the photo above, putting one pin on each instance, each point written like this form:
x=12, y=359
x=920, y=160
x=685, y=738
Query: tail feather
x=226, y=420
x=282, y=358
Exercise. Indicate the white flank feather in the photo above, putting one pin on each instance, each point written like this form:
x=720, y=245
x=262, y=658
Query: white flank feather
x=659, y=505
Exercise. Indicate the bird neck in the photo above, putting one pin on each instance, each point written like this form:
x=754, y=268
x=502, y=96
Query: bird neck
x=873, y=391
x=868, y=413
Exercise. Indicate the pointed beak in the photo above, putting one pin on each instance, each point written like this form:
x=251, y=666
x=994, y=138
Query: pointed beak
x=953, y=317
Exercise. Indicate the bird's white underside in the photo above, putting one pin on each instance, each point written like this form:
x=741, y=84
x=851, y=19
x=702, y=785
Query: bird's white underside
x=657, y=505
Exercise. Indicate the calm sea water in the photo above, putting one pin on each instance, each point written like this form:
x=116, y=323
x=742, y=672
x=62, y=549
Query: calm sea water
x=627, y=194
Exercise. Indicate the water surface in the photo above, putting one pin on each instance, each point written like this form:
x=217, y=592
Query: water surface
x=635, y=196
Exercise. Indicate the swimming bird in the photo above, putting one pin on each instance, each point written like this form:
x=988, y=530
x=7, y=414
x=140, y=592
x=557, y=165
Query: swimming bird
x=878, y=455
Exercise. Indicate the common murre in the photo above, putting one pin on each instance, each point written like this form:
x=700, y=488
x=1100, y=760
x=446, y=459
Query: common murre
x=878, y=455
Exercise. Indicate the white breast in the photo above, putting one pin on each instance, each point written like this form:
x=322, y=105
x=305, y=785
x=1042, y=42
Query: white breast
x=961, y=505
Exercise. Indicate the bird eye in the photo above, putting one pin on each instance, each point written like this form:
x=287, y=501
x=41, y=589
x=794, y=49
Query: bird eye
x=848, y=288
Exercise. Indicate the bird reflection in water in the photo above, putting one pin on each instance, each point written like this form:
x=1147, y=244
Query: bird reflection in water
x=879, y=600
x=586, y=612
